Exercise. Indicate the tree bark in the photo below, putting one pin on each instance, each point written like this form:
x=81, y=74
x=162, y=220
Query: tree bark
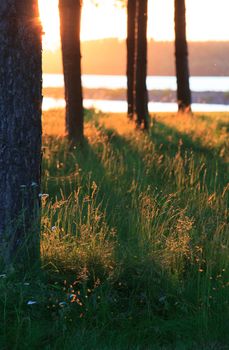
x=131, y=56
x=181, y=58
x=141, y=69
x=70, y=14
x=20, y=131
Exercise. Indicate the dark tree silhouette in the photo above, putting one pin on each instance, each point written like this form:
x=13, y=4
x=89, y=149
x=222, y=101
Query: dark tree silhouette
x=20, y=131
x=181, y=58
x=141, y=68
x=70, y=14
x=131, y=56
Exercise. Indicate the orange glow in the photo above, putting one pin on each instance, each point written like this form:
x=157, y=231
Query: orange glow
x=205, y=20
x=49, y=14
x=93, y=21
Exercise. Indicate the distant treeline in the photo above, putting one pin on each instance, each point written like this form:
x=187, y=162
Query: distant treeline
x=108, y=56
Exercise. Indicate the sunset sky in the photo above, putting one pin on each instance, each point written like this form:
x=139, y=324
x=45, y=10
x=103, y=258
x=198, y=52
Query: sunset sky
x=206, y=20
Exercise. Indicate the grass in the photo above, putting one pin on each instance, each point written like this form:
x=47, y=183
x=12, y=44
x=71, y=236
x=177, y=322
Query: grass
x=134, y=239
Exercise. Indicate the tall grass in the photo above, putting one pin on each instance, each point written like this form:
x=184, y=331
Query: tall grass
x=134, y=240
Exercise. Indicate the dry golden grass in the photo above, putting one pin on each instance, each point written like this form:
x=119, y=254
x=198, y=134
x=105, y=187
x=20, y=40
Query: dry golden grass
x=53, y=123
x=199, y=125
x=209, y=130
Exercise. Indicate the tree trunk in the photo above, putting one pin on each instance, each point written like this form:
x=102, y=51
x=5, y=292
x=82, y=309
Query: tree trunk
x=141, y=69
x=70, y=14
x=20, y=131
x=181, y=58
x=131, y=56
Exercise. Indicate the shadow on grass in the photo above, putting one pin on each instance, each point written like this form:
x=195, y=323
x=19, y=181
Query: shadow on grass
x=116, y=195
x=140, y=292
x=170, y=138
x=169, y=142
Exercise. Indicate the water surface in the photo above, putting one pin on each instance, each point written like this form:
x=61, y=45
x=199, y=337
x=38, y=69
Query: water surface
x=153, y=82
x=121, y=106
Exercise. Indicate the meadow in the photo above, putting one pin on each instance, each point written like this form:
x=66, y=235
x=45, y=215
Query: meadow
x=134, y=239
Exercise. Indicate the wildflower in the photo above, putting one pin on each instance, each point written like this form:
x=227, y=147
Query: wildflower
x=53, y=228
x=62, y=304
x=79, y=302
x=72, y=298
x=31, y=302
x=43, y=195
x=162, y=299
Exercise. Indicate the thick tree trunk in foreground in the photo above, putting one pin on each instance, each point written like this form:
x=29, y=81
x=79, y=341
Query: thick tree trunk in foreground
x=70, y=14
x=131, y=56
x=181, y=58
x=141, y=69
x=20, y=131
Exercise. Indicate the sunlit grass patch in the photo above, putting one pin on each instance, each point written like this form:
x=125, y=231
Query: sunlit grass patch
x=134, y=243
x=76, y=235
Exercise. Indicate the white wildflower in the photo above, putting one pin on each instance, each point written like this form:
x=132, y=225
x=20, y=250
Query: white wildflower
x=43, y=195
x=31, y=302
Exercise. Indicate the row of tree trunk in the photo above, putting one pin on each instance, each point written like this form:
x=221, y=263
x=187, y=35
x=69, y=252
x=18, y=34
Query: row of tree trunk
x=21, y=98
x=70, y=14
x=137, y=96
x=181, y=58
x=137, y=60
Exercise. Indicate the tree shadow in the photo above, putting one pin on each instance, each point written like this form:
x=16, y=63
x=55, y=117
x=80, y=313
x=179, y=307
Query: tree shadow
x=201, y=173
x=170, y=141
x=131, y=165
x=139, y=280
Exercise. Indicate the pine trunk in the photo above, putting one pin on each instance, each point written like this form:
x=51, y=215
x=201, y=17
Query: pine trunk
x=20, y=131
x=141, y=69
x=181, y=58
x=131, y=53
x=70, y=14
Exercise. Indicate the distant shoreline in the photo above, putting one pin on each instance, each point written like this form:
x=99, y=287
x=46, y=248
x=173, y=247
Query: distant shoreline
x=209, y=97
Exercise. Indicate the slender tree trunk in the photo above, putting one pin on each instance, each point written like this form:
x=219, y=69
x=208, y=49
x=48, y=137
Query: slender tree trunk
x=70, y=14
x=20, y=131
x=141, y=69
x=181, y=58
x=131, y=56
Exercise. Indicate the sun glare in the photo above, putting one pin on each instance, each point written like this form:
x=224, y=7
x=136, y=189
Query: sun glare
x=49, y=15
x=97, y=22
x=205, y=20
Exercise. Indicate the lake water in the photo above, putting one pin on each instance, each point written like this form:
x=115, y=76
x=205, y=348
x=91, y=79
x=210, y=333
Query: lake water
x=153, y=83
x=121, y=106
